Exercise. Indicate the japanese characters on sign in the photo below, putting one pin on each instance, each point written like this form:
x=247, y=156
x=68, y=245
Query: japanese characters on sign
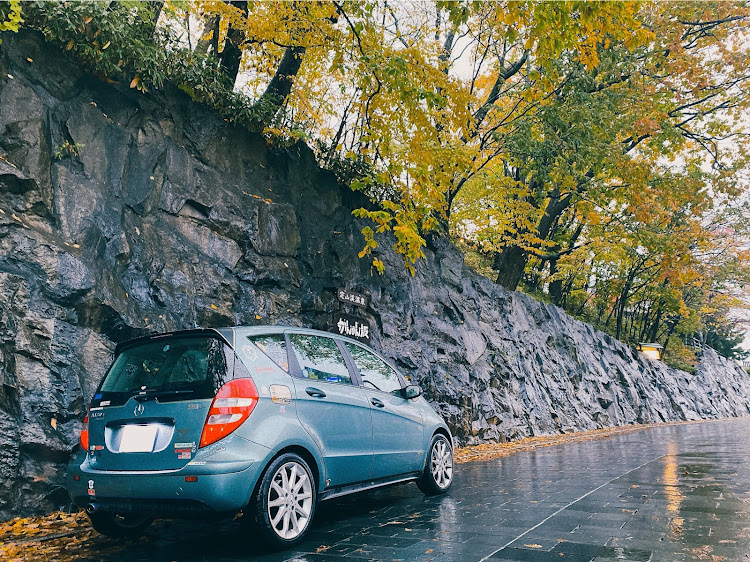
x=353, y=327
x=350, y=297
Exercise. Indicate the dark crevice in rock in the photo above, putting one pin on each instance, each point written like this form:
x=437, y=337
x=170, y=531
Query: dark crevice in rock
x=40, y=452
x=106, y=320
x=195, y=209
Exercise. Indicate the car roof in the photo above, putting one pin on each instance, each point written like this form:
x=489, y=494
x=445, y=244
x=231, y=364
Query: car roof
x=229, y=333
x=278, y=329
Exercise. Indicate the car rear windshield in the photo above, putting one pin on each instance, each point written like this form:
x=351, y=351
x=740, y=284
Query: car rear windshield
x=175, y=368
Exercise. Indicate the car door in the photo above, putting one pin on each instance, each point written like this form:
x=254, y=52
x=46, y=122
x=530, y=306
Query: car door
x=333, y=409
x=397, y=425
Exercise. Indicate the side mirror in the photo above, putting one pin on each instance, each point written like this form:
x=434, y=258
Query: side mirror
x=412, y=391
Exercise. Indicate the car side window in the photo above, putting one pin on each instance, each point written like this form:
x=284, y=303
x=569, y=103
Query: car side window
x=273, y=345
x=374, y=371
x=319, y=359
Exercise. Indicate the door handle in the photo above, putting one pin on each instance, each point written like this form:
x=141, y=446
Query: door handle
x=315, y=392
x=378, y=403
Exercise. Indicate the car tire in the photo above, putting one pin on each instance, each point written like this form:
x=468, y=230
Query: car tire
x=285, y=503
x=437, y=476
x=118, y=525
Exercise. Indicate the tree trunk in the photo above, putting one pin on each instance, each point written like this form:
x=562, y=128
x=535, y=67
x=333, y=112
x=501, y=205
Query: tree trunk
x=672, y=327
x=620, y=313
x=623, y=301
x=231, y=55
x=558, y=290
x=510, y=263
x=209, y=39
x=281, y=84
x=556, y=285
x=154, y=8
x=653, y=332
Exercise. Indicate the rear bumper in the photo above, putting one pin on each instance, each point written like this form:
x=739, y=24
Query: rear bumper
x=214, y=487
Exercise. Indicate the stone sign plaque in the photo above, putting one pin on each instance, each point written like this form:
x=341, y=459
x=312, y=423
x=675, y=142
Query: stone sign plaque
x=350, y=297
x=351, y=326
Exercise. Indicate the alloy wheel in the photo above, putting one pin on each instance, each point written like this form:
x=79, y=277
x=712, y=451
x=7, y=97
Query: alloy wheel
x=290, y=500
x=441, y=463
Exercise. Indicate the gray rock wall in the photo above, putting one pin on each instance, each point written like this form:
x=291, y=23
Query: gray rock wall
x=170, y=218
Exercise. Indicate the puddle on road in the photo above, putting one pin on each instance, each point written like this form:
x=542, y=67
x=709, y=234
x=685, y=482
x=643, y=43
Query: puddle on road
x=701, y=502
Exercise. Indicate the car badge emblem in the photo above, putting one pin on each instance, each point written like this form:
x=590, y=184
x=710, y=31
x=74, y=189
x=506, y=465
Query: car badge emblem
x=139, y=409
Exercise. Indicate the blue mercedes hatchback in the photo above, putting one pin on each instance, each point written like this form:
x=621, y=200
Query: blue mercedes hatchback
x=261, y=420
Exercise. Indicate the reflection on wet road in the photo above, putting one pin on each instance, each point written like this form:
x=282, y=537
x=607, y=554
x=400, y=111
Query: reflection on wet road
x=670, y=493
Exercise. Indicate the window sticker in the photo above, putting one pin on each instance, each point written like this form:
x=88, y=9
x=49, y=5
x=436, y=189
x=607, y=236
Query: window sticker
x=250, y=351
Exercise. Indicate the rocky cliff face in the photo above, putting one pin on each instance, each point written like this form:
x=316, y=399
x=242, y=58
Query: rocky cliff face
x=122, y=214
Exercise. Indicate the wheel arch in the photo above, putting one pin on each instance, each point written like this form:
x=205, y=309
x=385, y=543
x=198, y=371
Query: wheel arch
x=443, y=431
x=306, y=455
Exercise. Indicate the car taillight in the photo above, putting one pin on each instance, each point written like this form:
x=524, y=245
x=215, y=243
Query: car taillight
x=232, y=405
x=84, y=439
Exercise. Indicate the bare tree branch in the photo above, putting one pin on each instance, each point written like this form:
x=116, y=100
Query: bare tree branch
x=503, y=75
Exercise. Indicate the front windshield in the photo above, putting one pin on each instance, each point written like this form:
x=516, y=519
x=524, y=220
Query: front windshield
x=176, y=368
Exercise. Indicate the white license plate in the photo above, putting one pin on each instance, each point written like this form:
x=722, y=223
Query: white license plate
x=138, y=438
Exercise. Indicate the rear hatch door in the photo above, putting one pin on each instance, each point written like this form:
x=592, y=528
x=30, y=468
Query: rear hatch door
x=149, y=411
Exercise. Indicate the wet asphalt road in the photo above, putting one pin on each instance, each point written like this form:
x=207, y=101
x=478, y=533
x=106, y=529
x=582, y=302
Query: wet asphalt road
x=670, y=493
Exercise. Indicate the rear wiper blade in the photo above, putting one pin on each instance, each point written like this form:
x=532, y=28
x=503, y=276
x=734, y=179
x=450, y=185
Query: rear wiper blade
x=145, y=396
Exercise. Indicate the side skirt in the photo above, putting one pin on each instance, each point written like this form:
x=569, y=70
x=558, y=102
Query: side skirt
x=366, y=485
